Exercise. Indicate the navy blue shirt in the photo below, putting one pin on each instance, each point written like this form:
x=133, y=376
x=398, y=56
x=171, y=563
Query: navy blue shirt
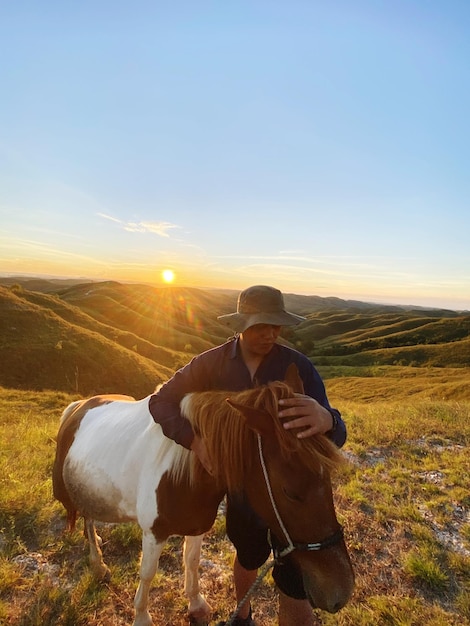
x=223, y=369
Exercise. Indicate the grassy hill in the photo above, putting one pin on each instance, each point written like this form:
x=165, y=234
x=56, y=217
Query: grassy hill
x=182, y=319
x=403, y=501
x=127, y=338
x=39, y=349
x=402, y=338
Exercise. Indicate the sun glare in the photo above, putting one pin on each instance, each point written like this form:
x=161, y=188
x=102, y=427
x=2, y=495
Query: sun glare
x=168, y=276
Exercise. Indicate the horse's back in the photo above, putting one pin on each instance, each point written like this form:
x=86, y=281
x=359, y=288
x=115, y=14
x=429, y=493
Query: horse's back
x=102, y=444
x=70, y=422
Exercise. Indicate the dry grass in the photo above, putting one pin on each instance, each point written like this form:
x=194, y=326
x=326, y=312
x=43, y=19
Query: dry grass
x=389, y=383
x=403, y=499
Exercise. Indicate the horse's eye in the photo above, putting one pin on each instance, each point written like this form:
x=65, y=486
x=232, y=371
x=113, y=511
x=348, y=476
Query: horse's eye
x=291, y=495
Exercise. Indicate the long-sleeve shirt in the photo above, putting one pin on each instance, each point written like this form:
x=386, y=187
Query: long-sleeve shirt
x=223, y=369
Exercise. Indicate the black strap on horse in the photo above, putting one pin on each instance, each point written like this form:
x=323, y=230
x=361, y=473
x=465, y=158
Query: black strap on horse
x=305, y=547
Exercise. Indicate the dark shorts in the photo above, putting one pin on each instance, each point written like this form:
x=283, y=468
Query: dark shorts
x=249, y=535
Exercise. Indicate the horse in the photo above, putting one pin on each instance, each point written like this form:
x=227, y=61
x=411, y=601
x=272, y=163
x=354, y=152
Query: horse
x=114, y=464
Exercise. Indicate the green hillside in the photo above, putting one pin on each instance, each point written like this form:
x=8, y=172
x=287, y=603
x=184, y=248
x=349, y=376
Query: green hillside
x=406, y=338
x=181, y=319
x=111, y=337
x=76, y=316
x=40, y=350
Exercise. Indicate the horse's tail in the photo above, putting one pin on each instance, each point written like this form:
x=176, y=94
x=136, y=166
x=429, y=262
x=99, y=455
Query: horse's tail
x=72, y=515
x=65, y=436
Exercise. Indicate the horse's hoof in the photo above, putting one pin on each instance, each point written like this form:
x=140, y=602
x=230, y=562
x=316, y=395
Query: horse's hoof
x=107, y=577
x=199, y=612
x=201, y=620
x=193, y=621
x=103, y=575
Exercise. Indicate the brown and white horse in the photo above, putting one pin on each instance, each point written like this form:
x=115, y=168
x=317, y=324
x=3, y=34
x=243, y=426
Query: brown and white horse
x=113, y=464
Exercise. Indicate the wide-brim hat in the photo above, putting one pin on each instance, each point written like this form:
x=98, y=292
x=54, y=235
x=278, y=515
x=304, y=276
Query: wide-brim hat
x=260, y=304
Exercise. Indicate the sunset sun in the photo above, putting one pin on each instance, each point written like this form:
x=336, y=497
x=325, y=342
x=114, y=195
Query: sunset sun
x=168, y=276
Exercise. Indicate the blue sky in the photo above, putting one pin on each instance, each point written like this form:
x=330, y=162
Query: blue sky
x=320, y=147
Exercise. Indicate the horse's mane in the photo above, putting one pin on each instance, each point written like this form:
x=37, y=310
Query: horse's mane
x=232, y=446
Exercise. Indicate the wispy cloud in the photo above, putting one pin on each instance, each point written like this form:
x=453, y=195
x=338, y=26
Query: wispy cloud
x=157, y=228
x=108, y=217
x=40, y=250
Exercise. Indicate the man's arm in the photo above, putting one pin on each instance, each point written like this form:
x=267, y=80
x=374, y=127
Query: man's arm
x=164, y=404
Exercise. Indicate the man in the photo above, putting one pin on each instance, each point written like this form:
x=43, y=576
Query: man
x=250, y=358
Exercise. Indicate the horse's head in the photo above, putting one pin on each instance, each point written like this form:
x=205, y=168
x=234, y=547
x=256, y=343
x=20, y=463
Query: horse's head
x=289, y=487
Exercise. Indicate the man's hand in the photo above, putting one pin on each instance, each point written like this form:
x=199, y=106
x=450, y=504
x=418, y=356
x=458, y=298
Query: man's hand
x=307, y=414
x=199, y=447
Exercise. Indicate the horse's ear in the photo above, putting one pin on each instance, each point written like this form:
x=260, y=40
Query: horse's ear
x=292, y=378
x=259, y=421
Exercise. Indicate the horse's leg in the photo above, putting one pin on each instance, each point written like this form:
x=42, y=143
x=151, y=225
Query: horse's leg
x=97, y=565
x=151, y=551
x=198, y=609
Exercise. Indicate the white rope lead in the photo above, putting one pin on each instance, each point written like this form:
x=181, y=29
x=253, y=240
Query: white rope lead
x=290, y=546
x=264, y=570
x=268, y=565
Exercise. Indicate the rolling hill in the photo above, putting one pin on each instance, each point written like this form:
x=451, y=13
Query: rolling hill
x=108, y=337
x=41, y=350
x=406, y=338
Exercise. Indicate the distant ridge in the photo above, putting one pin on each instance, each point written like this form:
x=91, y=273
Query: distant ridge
x=40, y=284
x=304, y=302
